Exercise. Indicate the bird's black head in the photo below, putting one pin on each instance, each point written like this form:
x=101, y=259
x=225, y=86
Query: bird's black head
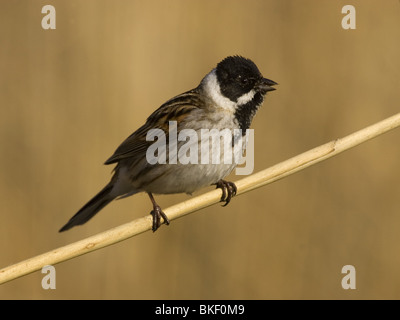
x=238, y=76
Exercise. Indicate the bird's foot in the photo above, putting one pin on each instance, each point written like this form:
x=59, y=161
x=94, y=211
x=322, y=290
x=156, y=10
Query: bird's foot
x=228, y=190
x=157, y=214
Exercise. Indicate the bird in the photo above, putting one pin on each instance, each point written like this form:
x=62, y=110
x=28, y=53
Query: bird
x=228, y=97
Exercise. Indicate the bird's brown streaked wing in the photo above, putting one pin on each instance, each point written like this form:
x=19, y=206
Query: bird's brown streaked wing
x=134, y=144
x=175, y=109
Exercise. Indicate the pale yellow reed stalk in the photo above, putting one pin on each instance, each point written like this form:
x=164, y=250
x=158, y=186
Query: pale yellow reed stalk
x=251, y=182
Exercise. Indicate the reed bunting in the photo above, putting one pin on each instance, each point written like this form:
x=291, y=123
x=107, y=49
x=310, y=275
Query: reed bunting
x=228, y=97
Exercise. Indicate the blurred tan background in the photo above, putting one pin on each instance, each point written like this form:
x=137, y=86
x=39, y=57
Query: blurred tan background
x=68, y=97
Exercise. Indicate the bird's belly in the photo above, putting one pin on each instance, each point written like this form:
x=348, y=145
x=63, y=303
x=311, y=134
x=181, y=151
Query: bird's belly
x=180, y=178
x=192, y=164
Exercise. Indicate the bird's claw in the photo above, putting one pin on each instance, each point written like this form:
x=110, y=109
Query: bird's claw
x=228, y=190
x=157, y=214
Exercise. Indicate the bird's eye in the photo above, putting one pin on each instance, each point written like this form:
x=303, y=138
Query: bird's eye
x=242, y=80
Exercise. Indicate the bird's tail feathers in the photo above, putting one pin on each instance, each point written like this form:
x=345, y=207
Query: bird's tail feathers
x=98, y=202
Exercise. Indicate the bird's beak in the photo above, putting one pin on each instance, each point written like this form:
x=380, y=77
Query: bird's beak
x=266, y=85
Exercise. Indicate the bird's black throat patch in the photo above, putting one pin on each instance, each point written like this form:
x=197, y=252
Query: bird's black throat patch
x=244, y=113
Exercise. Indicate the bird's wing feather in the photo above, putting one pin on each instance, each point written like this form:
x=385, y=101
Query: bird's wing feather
x=175, y=109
